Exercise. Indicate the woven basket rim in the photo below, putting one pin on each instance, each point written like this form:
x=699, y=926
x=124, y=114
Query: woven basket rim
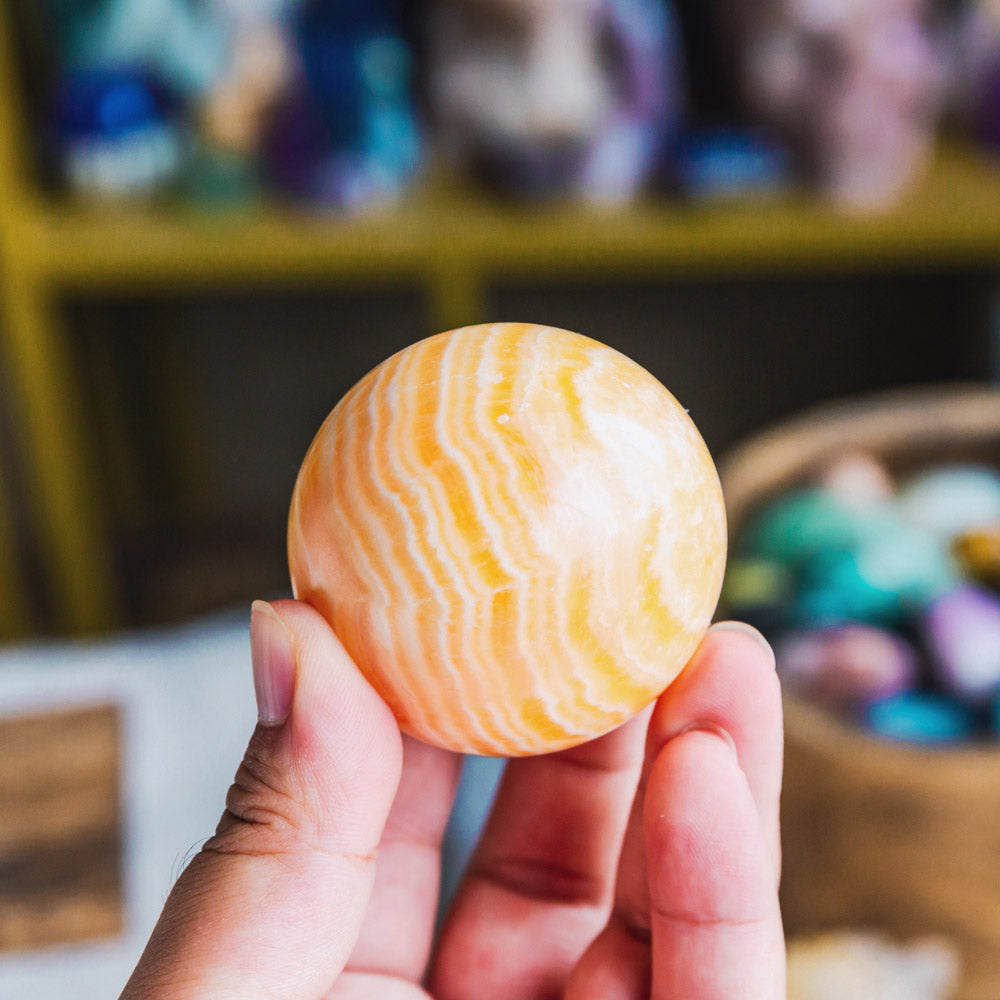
x=785, y=452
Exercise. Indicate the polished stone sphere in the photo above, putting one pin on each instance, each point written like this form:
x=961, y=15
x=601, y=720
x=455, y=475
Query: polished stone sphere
x=517, y=533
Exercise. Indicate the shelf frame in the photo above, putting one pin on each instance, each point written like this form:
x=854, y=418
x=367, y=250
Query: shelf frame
x=52, y=440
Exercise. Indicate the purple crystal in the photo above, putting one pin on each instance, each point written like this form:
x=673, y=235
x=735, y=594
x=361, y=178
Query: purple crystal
x=846, y=667
x=962, y=632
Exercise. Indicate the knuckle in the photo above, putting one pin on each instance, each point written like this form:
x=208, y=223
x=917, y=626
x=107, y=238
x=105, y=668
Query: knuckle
x=634, y=918
x=262, y=815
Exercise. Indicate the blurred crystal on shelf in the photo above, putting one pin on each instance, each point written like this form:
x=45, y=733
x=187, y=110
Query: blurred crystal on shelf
x=215, y=98
x=548, y=98
x=975, y=83
x=710, y=164
x=341, y=104
x=857, y=88
x=116, y=133
x=184, y=46
x=347, y=136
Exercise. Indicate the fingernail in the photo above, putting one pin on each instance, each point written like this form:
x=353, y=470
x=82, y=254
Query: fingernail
x=747, y=630
x=272, y=655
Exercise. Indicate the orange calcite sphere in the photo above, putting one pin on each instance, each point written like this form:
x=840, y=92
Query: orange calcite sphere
x=517, y=533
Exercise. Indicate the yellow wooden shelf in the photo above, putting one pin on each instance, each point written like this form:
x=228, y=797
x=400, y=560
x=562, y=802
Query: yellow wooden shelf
x=452, y=231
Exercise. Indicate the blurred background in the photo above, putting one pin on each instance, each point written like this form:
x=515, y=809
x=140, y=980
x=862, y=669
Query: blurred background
x=216, y=215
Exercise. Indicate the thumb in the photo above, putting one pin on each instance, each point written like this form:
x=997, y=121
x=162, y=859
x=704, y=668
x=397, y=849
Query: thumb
x=273, y=904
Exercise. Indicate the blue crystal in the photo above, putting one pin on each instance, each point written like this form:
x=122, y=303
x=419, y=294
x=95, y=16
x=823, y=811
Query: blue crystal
x=921, y=717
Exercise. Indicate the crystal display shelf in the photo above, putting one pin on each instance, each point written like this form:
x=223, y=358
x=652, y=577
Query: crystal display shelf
x=447, y=238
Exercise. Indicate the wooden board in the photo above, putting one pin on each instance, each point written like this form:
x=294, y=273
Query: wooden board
x=60, y=827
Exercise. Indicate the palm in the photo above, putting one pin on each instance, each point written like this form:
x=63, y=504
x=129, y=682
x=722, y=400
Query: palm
x=389, y=958
x=561, y=899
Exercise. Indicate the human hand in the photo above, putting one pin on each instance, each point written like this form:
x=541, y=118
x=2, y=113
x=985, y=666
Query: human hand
x=641, y=865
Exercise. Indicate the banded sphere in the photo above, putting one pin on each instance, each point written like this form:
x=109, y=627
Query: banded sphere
x=516, y=532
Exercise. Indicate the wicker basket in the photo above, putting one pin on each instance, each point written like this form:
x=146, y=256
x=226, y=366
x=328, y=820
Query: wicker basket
x=887, y=836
